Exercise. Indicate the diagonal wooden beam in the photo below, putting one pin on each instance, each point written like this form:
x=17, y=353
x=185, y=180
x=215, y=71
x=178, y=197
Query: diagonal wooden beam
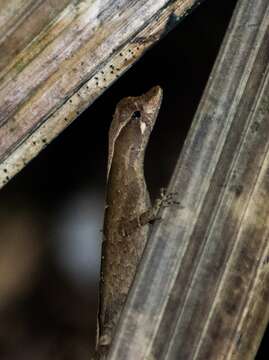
x=81, y=50
x=202, y=289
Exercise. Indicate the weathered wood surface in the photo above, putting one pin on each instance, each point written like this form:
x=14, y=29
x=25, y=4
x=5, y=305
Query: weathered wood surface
x=57, y=57
x=202, y=289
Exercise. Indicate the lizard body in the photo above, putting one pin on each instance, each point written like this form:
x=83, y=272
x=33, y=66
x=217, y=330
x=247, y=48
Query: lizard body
x=127, y=207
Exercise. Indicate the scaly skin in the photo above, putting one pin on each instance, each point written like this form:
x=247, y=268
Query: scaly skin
x=127, y=199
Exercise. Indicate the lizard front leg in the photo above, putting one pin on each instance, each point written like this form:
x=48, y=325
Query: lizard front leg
x=166, y=199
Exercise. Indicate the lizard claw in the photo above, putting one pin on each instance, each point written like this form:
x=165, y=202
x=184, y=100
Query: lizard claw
x=167, y=199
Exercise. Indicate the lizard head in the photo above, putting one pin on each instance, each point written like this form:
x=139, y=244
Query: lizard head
x=139, y=112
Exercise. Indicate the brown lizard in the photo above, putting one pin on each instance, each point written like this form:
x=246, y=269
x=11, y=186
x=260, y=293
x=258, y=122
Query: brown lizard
x=128, y=208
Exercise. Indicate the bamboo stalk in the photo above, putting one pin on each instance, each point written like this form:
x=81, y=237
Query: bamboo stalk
x=202, y=289
x=82, y=48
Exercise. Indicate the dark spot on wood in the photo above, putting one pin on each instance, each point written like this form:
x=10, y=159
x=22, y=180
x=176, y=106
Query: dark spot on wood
x=34, y=143
x=237, y=189
x=239, y=339
x=235, y=173
x=265, y=292
x=255, y=126
x=266, y=260
x=217, y=328
x=231, y=307
x=5, y=170
x=237, y=281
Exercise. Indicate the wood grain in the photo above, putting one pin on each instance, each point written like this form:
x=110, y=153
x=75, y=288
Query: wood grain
x=70, y=54
x=202, y=289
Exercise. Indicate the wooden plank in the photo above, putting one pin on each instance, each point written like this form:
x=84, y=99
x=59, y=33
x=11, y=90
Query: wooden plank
x=64, y=68
x=202, y=289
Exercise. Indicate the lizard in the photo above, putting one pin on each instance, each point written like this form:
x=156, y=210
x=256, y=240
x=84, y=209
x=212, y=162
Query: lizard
x=128, y=210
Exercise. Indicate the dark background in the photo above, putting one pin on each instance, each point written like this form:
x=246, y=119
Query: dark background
x=51, y=213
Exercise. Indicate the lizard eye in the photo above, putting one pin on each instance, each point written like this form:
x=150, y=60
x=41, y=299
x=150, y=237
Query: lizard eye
x=136, y=115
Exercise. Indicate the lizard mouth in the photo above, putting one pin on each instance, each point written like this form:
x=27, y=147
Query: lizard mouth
x=153, y=99
x=154, y=95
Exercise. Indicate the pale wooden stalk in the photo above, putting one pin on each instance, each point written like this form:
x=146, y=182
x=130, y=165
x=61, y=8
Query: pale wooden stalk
x=57, y=57
x=202, y=289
